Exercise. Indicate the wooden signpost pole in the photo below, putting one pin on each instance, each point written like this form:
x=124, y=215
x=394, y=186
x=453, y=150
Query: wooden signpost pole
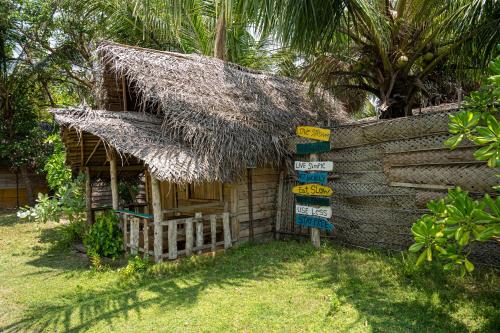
x=315, y=238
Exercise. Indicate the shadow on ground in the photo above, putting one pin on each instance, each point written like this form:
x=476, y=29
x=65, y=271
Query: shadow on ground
x=423, y=303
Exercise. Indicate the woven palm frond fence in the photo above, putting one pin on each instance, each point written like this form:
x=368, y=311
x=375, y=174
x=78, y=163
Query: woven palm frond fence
x=385, y=172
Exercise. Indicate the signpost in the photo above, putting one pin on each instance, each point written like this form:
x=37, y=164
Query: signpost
x=315, y=133
x=313, y=222
x=313, y=147
x=318, y=201
x=317, y=177
x=325, y=212
x=313, y=166
x=313, y=189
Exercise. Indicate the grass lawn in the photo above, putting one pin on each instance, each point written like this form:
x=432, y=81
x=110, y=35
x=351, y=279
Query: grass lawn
x=281, y=286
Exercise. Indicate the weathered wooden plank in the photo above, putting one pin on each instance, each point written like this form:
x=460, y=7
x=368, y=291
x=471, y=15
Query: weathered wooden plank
x=114, y=180
x=172, y=239
x=157, y=218
x=319, y=201
x=88, y=197
x=325, y=212
x=279, y=201
x=227, y=230
x=235, y=222
x=316, y=177
x=316, y=133
x=313, y=222
x=134, y=235
x=213, y=230
x=199, y=231
x=189, y=236
x=313, y=166
x=313, y=147
x=313, y=190
x=125, y=222
x=145, y=233
x=315, y=235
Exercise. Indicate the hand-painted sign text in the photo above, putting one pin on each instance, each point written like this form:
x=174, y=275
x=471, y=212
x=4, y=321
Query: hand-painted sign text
x=325, y=212
x=313, y=222
x=313, y=147
x=315, y=133
x=314, y=166
x=317, y=177
x=313, y=189
x=319, y=201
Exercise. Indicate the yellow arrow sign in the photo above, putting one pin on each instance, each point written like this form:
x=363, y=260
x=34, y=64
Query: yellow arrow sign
x=313, y=189
x=315, y=133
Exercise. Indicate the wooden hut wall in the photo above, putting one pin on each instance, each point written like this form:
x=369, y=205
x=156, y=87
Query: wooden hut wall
x=8, y=191
x=264, y=189
x=234, y=199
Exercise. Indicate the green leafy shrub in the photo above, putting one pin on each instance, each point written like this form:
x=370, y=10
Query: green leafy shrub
x=458, y=220
x=104, y=238
x=134, y=266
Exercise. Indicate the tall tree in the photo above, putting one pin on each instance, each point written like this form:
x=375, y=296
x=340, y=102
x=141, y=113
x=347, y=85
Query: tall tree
x=21, y=139
x=388, y=48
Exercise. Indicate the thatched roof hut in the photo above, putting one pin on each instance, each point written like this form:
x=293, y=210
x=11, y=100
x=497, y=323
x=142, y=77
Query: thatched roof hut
x=200, y=119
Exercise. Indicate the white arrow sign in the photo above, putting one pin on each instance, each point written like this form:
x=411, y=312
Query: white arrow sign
x=314, y=166
x=325, y=212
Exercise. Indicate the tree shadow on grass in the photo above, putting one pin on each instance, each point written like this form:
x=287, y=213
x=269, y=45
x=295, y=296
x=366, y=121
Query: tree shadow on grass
x=56, y=250
x=392, y=300
x=167, y=286
x=9, y=219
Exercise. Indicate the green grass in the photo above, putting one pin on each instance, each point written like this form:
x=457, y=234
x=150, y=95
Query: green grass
x=281, y=286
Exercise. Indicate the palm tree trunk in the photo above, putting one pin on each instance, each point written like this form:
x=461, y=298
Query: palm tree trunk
x=220, y=37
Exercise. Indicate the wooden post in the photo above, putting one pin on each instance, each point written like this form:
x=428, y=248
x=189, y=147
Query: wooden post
x=125, y=220
x=189, y=236
x=227, y=231
x=235, y=222
x=315, y=237
x=157, y=218
x=172, y=239
x=213, y=231
x=88, y=196
x=279, y=203
x=114, y=180
x=250, y=201
x=199, y=231
x=145, y=236
x=124, y=93
x=134, y=235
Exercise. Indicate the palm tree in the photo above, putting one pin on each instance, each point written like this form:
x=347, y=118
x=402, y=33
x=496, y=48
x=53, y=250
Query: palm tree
x=388, y=48
x=218, y=28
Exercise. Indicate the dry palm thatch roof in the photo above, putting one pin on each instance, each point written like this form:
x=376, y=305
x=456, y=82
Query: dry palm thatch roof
x=219, y=116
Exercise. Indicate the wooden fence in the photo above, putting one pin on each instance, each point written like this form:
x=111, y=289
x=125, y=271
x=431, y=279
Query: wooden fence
x=384, y=174
x=185, y=236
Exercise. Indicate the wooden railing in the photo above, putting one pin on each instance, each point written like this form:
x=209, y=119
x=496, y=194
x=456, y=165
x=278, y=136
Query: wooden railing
x=189, y=231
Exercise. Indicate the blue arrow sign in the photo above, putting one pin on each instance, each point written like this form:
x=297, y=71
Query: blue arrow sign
x=319, y=201
x=313, y=148
x=317, y=177
x=313, y=222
